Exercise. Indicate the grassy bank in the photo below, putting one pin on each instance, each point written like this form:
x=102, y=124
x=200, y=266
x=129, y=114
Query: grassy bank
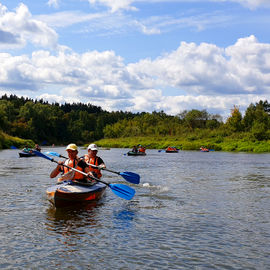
x=221, y=144
x=7, y=141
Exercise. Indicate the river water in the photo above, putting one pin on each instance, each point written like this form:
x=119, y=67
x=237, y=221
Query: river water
x=192, y=210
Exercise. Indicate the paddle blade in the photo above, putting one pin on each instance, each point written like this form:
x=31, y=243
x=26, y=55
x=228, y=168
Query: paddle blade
x=53, y=154
x=123, y=191
x=42, y=155
x=131, y=177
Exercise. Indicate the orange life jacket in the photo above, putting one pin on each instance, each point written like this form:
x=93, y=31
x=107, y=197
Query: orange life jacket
x=93, y=161
x=73, y=164
x=142, y=149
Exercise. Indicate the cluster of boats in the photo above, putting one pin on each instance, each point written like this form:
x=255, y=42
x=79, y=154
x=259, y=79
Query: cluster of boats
x=135, y=152
x=169, y=149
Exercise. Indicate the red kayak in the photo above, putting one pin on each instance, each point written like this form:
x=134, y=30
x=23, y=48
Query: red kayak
x=171, y=150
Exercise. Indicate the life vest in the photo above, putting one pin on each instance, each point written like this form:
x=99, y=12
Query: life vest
x=142, y=149
x=93, y=161
x=73, y=164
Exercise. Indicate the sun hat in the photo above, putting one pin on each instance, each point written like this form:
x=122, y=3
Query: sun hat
x=72, y=147
x=92, y=147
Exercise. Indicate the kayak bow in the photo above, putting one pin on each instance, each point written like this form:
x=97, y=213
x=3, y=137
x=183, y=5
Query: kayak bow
x=68, y=193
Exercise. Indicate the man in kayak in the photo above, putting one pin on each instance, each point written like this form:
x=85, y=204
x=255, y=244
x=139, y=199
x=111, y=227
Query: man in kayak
x=74, y=162
x=92, y=159
x=37, y=147
x=134, y=149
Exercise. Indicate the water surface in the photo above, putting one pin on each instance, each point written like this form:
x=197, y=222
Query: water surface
x=192, y=210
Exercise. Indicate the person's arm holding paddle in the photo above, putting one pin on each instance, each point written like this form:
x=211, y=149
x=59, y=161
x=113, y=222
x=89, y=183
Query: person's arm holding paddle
x=57, y=170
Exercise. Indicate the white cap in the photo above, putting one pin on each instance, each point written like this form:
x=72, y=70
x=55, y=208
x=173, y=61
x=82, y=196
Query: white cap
x=92, y=147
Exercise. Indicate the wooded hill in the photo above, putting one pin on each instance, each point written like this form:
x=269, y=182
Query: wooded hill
x=47, y=123
x=80, y=123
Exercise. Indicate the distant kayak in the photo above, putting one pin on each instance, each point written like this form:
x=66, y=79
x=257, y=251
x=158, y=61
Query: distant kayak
x=69, y=193
x=171, y=150
x=26, y=154
x=130, y=153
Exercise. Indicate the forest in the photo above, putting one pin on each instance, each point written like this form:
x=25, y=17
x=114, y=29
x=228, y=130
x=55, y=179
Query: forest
x=59, y=124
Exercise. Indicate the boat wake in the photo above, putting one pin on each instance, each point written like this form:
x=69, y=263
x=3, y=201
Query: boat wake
x=158, y=187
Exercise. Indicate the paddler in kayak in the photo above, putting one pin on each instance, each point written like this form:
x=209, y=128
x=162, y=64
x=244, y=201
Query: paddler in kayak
x=92, y=159
x=74, y=162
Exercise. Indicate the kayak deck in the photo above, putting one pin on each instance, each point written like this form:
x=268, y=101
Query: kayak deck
x=69, y=193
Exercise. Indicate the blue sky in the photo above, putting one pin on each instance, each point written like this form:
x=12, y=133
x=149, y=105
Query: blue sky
x=137, y=55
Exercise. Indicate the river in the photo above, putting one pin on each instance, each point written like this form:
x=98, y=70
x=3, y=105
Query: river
x=192, y=210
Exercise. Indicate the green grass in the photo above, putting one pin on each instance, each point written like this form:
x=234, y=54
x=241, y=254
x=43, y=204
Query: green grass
x=6, y=141
x=216, y=143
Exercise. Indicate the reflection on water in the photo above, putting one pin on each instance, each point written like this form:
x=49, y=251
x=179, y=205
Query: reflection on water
x=72, y=217
x=72, y=224
x=123, y=218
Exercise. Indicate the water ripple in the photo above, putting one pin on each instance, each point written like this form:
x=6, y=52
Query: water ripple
x=201, y=212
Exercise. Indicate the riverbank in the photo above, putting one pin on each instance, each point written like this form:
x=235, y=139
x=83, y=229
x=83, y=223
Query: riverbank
x=221, y=144
x=227, y=144
x=7, y=141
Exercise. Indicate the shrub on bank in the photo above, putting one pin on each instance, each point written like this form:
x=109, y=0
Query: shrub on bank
x=6, y=141
x=239, y=144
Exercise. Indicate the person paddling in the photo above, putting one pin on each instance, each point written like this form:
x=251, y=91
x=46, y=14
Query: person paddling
x=37, y=147
x=92, y=159
x=141, y=149
x=74, y=162
x=134, y=149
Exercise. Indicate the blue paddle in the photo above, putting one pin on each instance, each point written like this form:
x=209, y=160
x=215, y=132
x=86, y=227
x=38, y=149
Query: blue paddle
x=120, y=190
x=131, y=177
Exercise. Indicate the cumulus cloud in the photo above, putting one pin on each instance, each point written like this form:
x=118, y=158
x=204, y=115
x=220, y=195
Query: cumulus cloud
x=18, y=28
x=202, y=76
x=208, y=69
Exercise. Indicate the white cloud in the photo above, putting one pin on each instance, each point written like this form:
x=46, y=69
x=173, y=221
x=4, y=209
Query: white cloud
x=207, y=69
x=204, y=75
x=253, y=4
x=19, y=27
x=105, y=23
x=68, y=18
x=115, y=5
x=53, y=3
x=127, y=4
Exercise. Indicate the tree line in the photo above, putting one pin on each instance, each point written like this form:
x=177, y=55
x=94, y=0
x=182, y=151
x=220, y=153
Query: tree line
x=254, y=124
x=54, y=123
x=81, y=123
